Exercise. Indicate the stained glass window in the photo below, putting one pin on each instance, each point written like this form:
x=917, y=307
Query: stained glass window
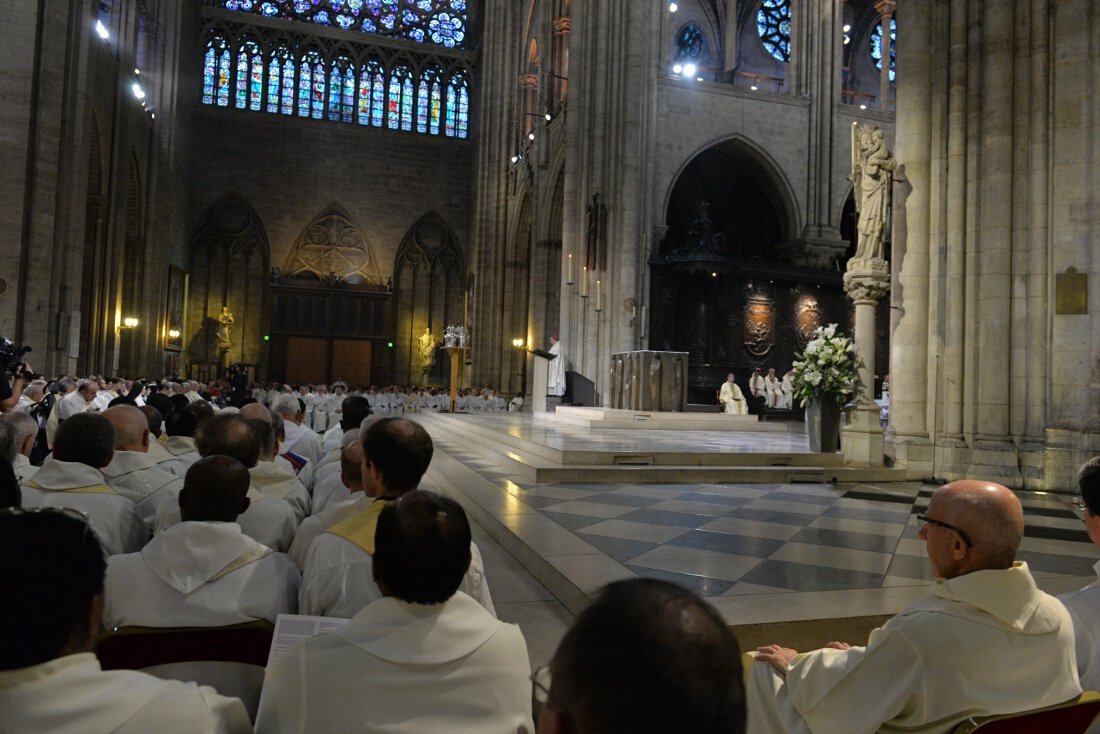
x=773, y=24
x=876, y=46
x=311, y=85
x=458, y=106
x=341, y=90
x=428, y=97
x=280, y=81
x=399, y=105
x=442, y=22
x=690, y=44
x=372, y=94
x=250, y=76
x=215, y=72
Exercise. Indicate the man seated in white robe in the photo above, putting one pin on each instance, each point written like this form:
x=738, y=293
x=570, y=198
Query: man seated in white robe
x=644, y=656
x=267, y=520
x=352, y=412
x=1084, y=604
x=984, y=640
x=731, y=397
x=333, y=488
x=773, y=390
x=50, y=681
x=515, y=405
x=355, y=501
x=756, y=385
x=338, y=580
x=133, y=473
x=297, y=465
x=786, y=388
x=204, y=572
x=425, y=654
x=273, y=480
x=180, y=427
x=299, y=439
x=84, y=444
x=24, y=430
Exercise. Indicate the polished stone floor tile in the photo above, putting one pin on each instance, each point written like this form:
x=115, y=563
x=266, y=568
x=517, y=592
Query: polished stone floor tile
x=795, y=508
x=701, y=585
x=741, y=545
x=829, y=522
x=622, y=500
x=1061, y=547
x=628, y=530
x=620, y=549
x=715, y=499
x=847, y=539
x=744, y=588
x=696, y=562
x=843, y=558
x=656, y=493
x=664, y=517
x=771, y=516
x=910, y=567
x=588, y=509
x=803, y=577
x=1068, y=565
x=739, y=526
x=569, y=521
x=694, y=507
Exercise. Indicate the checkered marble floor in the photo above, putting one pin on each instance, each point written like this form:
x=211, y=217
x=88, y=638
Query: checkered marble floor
x=724, y=540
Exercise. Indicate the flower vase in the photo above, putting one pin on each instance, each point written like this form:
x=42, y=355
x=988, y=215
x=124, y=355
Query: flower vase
x=823, y=426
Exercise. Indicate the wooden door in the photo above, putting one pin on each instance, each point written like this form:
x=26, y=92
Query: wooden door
x=351, y=360
x=306, y=360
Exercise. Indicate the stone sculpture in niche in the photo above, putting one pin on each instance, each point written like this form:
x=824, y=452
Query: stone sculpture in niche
x=872, y=176
x=426, y=345
x=225, y=320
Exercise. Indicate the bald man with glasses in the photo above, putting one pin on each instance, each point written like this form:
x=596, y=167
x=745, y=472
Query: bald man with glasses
x=983, y=640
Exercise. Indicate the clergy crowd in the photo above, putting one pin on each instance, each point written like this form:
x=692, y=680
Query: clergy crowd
x=175, y=504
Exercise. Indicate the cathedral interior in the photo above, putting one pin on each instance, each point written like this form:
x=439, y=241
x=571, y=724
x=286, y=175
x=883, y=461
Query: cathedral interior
x=625, y=174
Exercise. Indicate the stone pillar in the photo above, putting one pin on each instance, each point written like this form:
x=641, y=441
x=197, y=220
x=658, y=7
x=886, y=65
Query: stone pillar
x=885, y=10
x=862, y=439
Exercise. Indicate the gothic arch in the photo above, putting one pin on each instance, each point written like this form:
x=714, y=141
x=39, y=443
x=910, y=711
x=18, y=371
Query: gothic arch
x=332, y=245
x=230, y=266
x=429, y=291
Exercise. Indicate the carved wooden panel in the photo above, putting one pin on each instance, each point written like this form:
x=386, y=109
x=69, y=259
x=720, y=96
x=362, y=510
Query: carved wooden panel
x=807, y=317
x=759, y=325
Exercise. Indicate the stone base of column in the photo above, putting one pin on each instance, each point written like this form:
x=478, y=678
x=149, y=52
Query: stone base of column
x=1065, y=451
x=910, y=451
x=862, y=439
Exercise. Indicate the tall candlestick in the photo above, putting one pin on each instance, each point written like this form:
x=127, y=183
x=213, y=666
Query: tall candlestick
x=584, y=282
x=570, y=273
x=599, y=296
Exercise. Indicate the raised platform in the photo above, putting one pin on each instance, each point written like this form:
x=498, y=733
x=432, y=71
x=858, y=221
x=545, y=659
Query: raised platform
x=608, y=419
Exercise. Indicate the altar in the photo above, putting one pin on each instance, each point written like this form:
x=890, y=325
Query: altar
x=648, y=380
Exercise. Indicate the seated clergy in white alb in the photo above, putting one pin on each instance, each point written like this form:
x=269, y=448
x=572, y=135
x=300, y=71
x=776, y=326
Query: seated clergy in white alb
x=984, y=640
x=424, y=658
x=773, y=390
x=351, y=478
x=202, y=571
x=273, y=480
x=731, y=397
x=180, y=427
x=50, y=681
x=787, y=391
x=133, y=472
x=23, y=429
x=1084, y=604
x=333, y=489
x=299, y=439
x=267, y=520
x=83, y=445
x=299, y=466
x=338, y=580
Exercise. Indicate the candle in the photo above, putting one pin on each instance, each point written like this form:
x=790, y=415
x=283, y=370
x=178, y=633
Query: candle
x=599, y=296
x=570, y=273
x=584, y=282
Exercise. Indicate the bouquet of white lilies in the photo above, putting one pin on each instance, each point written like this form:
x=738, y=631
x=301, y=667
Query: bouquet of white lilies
x=826, y=369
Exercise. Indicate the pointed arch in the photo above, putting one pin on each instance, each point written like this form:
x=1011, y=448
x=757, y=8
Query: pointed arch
x=333, y=244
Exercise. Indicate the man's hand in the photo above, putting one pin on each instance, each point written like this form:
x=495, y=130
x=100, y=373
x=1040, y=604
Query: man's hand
x=776, y=656
x=838, y=645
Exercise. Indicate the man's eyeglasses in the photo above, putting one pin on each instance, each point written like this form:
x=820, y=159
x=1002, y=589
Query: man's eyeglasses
x=540, y=682
x=924, y=520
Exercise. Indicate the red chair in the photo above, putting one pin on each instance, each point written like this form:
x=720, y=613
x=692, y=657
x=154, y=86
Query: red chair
x=1071, y=717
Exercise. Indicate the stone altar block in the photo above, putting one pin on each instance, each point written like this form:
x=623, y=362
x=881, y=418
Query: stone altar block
x=648, y=380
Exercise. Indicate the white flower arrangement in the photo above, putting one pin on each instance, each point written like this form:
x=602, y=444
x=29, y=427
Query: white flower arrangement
x=826, y=369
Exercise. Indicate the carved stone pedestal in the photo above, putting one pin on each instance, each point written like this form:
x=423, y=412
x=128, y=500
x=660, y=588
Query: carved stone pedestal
x=862, y=439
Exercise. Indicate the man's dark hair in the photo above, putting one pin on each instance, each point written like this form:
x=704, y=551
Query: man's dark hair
x=154, y=418
x=53, y=567
x=265, y=434
x=354, y=409
x=648, y=656
x=179, y=401
x=422, y=548
x=400, y=449
x=214, y=490
x=181, y=423
x=121, y=400
x=160, y=402
x=10, y=494
x=1088, y=482
x=202, y=410
x=229, y=435
x=86, y=438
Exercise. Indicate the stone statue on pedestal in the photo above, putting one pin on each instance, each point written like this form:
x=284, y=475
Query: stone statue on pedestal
x=872, y=177
x=225, y=320
x=426, y=346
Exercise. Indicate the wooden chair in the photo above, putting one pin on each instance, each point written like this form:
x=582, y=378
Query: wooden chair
x=1071, y=717
x=230, y=659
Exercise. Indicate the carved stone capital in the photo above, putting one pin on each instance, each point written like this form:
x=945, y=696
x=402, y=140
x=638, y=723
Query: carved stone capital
x=870, y=281
x=561, y=25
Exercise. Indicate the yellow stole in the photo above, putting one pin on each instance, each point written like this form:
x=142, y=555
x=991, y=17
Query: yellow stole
x=359, y=528
x=90, y=489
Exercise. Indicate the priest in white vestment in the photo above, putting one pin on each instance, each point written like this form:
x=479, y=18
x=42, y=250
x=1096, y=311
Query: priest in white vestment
x=24, y=430
x=555, y=378
x=425, y=658
x=133, y=473
x=299, y=439
x=84, y=444
x=756, y=384
x=50, y=681
x=1084, y=604
x=731, y=397
x=355, y=500
x=786, y=388
x=272, y=479
x=773, y=390
x=180, y=428
x=984, y=640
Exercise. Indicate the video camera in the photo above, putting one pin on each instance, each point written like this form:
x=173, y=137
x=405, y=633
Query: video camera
x=11, y=359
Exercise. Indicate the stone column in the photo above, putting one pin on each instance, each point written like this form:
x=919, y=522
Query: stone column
x=862, y=439
x=885, y=9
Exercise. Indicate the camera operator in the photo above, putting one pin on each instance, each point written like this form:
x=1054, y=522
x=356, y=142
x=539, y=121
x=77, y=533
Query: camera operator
x=10, y=391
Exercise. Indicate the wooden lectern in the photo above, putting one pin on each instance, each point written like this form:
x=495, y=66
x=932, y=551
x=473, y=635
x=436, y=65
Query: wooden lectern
x=458, y=354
